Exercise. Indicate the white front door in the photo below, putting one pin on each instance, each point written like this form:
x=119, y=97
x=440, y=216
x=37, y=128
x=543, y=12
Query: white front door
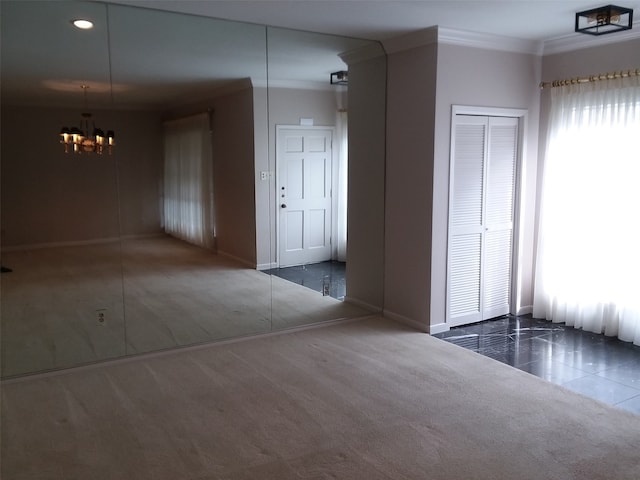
x=304, y=158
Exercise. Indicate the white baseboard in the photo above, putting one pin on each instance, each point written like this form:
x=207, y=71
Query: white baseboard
x=525, y=310
x=430, y=329
x=406, y=320
x=267, y=266
x=145, y=235
x=237, y=259
x=438, y=328
x=79, y=243
x=365, y=305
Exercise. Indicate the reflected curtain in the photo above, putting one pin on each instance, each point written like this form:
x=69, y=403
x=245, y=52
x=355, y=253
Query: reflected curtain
x=188, y=180
x=588, y=259
x=342, y=141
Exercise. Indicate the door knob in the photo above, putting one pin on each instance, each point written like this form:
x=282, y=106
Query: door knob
x=283, y=206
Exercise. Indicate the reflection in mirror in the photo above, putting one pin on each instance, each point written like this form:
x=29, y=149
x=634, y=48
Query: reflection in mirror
x=187, y=176
x=167, y=242
x=308, y=142
x=61, y=284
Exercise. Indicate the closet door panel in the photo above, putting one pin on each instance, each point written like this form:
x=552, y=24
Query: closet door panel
x=464, y=287
x=466, y=221
x=482, y=191
x=498, y=223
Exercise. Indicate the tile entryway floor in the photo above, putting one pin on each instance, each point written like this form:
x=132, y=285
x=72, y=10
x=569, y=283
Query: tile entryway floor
x=327, y=277
x=600, y=367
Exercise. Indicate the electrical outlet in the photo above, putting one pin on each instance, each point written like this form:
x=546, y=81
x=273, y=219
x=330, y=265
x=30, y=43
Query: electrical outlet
x=101, y=317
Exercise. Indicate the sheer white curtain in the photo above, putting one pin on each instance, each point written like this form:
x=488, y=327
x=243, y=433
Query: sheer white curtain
x=188, y=180
x=588, y=260
x=342, y=165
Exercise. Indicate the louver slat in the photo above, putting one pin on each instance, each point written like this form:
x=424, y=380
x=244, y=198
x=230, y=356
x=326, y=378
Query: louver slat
x=468, y=172
x=497, y=270
x=464, y=287
x=500, y=174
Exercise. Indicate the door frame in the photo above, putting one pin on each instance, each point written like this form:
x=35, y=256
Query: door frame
x=279, y=128
x=518, y=224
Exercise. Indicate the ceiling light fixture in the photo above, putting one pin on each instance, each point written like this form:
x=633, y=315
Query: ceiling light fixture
x=607, y=19
x=82, y=24
x=78, y=140
x=340, y=78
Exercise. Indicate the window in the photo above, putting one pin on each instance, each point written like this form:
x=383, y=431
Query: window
x=588, y=259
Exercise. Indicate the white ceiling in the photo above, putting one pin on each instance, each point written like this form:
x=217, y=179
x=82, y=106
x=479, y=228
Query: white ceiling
x=383, y=19
x=154, y=57
x=139, y=57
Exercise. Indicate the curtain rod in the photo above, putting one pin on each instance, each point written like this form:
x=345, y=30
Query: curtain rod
x=592, y=78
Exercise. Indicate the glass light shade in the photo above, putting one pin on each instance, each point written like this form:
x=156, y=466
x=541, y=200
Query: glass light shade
x=607, y=19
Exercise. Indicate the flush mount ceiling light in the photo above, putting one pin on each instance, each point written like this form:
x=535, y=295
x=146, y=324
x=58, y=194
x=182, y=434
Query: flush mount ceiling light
x=607, y=19
x=82, y=24
x=87, y=138
x=340, y=78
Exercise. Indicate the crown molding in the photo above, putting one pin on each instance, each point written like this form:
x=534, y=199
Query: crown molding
x=362, y=54
x=487, y=41
x=450, y=36
x=420, y=38
x=578, y=41
x=299, y=85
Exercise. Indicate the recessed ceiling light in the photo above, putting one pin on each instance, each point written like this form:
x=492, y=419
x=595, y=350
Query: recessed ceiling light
x=83, y=24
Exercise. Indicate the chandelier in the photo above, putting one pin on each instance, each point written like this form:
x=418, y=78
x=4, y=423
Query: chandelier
x=87, y=138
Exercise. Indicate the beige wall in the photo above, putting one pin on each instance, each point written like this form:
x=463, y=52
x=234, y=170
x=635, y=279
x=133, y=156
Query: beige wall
x=411, y=102
x=288, y=105
x=477, y=77
x=233, y=173
x=424, y=83
x=592, y=61
x=140, y=172
x=49, y=197
x=265, y=192
x=365, y=222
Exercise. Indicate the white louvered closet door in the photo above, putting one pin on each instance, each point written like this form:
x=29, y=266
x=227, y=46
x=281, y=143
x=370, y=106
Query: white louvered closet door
x=483, y=176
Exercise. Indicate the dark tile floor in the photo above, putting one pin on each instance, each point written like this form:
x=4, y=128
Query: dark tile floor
x=324, y=277
x=600, y=367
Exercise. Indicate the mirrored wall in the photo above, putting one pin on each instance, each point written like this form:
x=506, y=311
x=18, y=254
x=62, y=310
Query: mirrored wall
x=93, y=268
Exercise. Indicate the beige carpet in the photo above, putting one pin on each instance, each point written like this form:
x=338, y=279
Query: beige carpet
x=157, y=293
x=367, y=399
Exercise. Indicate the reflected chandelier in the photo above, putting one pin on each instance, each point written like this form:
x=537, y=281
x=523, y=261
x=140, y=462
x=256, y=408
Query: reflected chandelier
x=78, y=140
